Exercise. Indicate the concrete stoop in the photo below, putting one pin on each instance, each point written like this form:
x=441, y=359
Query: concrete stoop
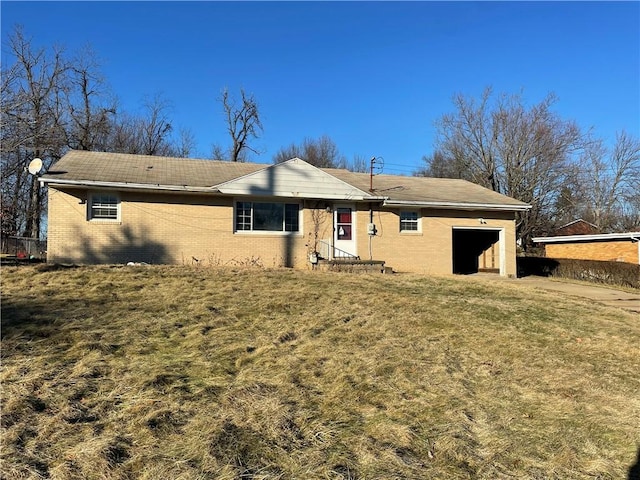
x=354, y=266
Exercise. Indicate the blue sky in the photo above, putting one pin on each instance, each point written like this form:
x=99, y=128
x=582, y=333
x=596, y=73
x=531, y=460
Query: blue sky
x=373, y=76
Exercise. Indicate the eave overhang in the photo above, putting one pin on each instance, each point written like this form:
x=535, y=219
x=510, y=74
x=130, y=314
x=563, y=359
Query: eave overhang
x=458, y=205
x=57, y=182
x=633, y=236
x=90, y=184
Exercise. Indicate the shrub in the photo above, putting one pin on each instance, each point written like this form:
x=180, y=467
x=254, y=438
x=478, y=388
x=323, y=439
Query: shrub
x=609, y=273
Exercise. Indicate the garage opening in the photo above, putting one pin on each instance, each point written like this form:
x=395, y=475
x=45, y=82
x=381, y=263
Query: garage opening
x=476, y=250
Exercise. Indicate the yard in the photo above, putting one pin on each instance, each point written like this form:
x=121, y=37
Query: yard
x=195, y=373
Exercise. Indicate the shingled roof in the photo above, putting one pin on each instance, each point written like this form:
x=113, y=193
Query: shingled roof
x=100, y=169
x=140, y=170
x=426, y=190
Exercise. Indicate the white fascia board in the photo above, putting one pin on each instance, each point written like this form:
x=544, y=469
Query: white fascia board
x=456, y=205
x=634, y=236
x=281, y=194
x=125, y=186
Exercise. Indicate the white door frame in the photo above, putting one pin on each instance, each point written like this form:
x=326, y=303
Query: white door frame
x=501, y=244
x=349, y=246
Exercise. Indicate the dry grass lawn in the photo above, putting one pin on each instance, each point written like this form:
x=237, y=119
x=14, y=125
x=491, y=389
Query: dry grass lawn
x=185, y=373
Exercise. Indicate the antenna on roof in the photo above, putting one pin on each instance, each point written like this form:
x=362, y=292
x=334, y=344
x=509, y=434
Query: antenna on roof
x=35, y=166
x=377, y=163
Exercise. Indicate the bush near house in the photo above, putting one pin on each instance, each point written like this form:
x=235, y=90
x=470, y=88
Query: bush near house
x=608, y=273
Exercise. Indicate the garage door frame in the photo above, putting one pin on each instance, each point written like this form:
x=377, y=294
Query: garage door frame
x=502, y=250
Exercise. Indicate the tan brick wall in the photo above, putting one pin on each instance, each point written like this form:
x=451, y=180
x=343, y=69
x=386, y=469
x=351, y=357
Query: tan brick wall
x=431, y=250
x=169, y=228
x=617, y=251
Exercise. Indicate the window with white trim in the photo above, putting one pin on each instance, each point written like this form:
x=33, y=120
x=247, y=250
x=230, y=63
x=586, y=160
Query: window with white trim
x=409, y=221
x=104, y=206
x=267, y=217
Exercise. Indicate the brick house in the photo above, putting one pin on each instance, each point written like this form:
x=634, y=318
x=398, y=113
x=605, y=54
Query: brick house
x=576, y=227
x=615, y=247
x=118, y=208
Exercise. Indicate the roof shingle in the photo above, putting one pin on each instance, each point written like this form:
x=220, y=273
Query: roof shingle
x=152, y=171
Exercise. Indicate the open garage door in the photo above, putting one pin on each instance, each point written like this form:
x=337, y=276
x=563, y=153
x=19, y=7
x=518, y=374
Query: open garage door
x=477, y=250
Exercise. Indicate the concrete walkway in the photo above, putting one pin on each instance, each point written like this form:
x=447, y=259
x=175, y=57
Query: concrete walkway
x=608, y=296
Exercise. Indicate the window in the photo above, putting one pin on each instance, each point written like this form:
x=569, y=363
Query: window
x=267, y=217
x=103, y=206
x=409, y=221
x=343, y=223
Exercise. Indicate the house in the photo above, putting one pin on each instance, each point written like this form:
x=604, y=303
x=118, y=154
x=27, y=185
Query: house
x=119, y=208
x=616, y=247
x=576, y=227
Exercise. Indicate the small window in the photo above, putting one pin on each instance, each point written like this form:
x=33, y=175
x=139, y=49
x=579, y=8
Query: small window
x=103, y=206
x=243, y=216
x=409, y=221
x=343, y=223
x=267, y=217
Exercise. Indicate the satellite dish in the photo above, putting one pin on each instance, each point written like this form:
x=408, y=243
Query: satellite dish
x=35, y=166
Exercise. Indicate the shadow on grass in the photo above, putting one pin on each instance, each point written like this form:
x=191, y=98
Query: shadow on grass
x=32, y=319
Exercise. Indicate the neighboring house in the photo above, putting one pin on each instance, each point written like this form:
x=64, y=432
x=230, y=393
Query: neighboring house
x=616, y=247
x=119, y=208
x=577, y=227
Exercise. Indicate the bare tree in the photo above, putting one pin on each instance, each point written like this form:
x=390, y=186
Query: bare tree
x=218, y=152
x=32, y=113
x=90, y=108
x=155, y=127
x=607, y=184
x=50, y=103
x=520, y=151
x=321, y=152
x=146, y=134
x=185, y=145
x=438, y=165
x=243, y=124
x=359, y=164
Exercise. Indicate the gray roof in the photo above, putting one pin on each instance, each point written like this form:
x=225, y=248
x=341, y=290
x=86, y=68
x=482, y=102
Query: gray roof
x=96, y=167
x=425, y=189
x=152, y=172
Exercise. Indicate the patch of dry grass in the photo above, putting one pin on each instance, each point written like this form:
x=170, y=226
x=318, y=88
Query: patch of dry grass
x=184, y=373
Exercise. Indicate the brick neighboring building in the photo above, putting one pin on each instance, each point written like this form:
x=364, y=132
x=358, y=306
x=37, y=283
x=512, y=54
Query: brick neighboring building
x=577, y=227
x=616, y=247
x=117, y=208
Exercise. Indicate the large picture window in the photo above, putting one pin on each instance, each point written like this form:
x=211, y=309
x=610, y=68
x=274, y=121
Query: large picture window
x=409, y=221
x=103, y=206
x=267, y=217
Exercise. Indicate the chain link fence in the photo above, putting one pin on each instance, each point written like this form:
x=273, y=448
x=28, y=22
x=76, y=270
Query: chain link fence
x=23, y=249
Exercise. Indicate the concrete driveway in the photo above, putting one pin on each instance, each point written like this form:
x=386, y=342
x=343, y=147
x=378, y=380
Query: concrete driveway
x=606, y=295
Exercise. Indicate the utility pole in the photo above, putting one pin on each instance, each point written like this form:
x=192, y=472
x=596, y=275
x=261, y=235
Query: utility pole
x=373, y=161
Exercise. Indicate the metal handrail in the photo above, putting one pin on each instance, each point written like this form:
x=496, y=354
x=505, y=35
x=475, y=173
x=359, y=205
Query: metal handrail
x=332, y=249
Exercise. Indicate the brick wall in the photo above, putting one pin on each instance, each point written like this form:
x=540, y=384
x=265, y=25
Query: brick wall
x=180, y=229
x=157, y=228
x=431, y=250
x=617, y=251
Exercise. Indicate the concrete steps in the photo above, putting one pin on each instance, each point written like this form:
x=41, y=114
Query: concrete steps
x=354, y=266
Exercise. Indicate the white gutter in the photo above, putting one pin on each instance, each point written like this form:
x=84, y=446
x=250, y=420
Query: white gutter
x=633, y=236
x=456, y=205
x=184, y=188
x=125, y=185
